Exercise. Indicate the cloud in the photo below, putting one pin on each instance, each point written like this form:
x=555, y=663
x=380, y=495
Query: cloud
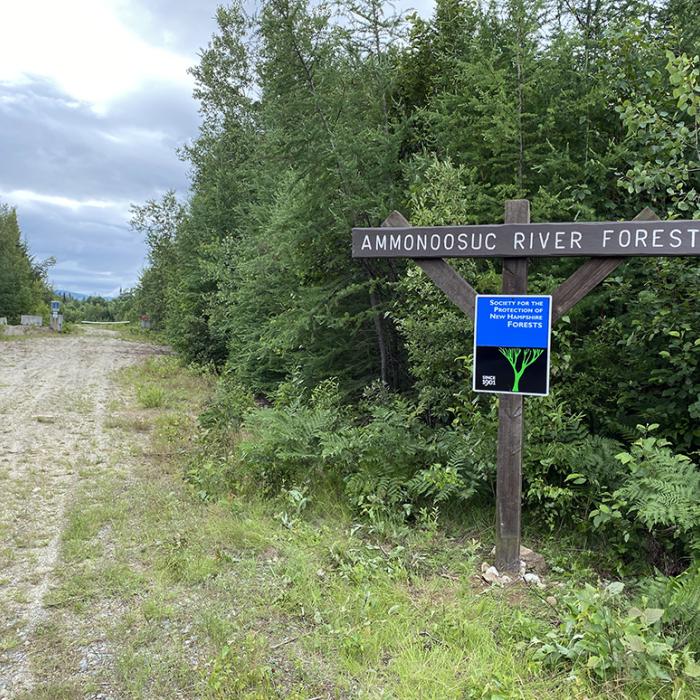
x=73, y=174
x=84, y=48
x=56, y=147
x=23, y=197
x=177, y=26
x=95, y=252
x=95, y=100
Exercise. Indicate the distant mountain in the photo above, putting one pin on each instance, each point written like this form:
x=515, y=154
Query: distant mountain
x=72, y=295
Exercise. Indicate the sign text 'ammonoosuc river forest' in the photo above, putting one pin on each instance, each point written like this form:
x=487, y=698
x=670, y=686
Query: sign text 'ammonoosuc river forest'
x=530, y=240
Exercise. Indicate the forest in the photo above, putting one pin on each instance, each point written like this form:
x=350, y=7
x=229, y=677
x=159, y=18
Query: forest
x=24, y=286
x=352, y=377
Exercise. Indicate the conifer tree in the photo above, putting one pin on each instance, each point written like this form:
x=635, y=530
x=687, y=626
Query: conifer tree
x=20, y=288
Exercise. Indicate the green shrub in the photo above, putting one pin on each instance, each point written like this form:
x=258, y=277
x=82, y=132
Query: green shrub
x=392, y=463
x=680, y=597
x=565, y=468
x=387, y=461
x=229, y=405
x=601, y=636
x=210, y=475
x=658, y=501
x=282, y=446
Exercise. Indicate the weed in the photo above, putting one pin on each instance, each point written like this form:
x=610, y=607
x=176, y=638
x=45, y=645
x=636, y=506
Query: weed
x=133, y=423
x=240, y=671
x=150, y=395
x=600, y=636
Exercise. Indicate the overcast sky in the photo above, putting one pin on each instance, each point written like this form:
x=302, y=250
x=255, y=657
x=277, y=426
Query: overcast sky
x=94, y=101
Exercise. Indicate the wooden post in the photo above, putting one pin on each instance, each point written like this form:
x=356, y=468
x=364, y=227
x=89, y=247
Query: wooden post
x=510, y=424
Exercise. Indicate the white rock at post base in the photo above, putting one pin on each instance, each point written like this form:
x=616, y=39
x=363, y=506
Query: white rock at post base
x=532, y=560
x=491, y=575
x=533, y=580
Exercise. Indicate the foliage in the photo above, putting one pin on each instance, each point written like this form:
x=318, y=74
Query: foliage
x=304, y=441
x=95, y=308
x=423, y=470
x=663, y=488
x=23, y=284
x=680, y=597
x=282, y=446
x=319, y=117
x=565, y=468
x=316, y=118
x=663, y=130
x=598, y=635
x=228, y=406
x=659, y=497
x=150, y=395
x=240, y=671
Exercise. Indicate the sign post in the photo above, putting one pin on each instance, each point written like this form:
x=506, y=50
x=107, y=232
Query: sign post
x=509, y=451
x=56, y=322
x=606, y=244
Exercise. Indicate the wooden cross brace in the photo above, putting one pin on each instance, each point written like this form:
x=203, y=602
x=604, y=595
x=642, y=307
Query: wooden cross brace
x=510, y=406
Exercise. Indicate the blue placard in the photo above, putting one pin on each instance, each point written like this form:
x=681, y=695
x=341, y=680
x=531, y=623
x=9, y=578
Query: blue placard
x=512, y=343
x=521, y=321
x=55, y=305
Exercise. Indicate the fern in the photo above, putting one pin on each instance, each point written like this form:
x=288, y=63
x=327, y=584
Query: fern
x=663, y=490
x=684, y=603
x=283, y=446
x=680, y=598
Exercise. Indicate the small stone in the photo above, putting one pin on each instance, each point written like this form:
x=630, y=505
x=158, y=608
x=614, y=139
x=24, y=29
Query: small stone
x=533, y=561
x=83, y=665
x=533, y=580
x=551, y=600
x=490, y=575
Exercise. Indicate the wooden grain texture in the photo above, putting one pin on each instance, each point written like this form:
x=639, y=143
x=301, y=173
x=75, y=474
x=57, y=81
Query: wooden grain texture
x=588, y=276
x=457, y=289
x=396, y=219
x=510, y=424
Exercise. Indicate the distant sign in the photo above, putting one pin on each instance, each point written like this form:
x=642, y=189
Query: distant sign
x=512, y=344
x=55, y=305
x=617, y=239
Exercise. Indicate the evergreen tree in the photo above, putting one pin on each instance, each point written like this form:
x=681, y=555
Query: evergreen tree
x=21, y=285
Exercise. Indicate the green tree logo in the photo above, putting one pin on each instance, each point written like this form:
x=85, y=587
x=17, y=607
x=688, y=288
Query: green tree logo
x=513, y=355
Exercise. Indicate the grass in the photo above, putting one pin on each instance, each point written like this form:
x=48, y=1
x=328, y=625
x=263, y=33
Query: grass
x=134, y=332
x=234, y=600
x=150, y=396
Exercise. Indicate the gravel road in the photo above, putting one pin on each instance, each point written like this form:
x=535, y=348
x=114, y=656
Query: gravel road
x=54, y=395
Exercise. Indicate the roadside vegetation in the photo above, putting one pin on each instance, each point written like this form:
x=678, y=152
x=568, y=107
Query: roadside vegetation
x=208, y=587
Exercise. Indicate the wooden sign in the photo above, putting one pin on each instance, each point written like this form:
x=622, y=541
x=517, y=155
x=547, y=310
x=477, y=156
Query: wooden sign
x=606, y=244
x=623, y=238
